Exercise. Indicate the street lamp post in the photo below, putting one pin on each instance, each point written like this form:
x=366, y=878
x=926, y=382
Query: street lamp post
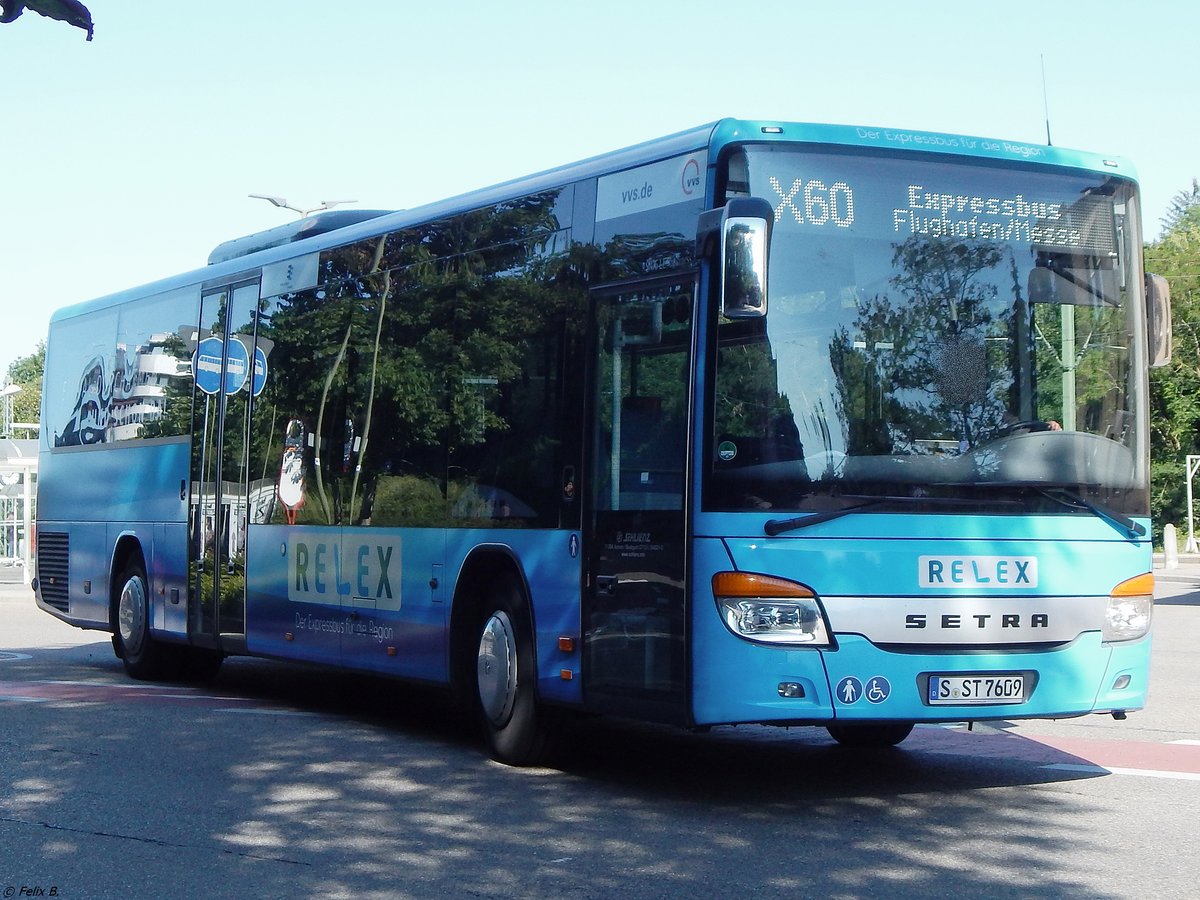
x=282, y=203
x=7, y=393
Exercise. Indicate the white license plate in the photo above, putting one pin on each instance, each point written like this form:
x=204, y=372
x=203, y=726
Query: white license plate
x=956, y=690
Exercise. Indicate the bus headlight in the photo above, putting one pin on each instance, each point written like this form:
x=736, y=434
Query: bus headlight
x=1130, y=606
x=770, y=610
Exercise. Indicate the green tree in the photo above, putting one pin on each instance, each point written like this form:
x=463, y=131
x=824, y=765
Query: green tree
x=1183, y=204
x=26, y=373
x=1175, y=389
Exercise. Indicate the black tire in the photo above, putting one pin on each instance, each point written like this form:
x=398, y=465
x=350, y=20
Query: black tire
x=145, y=658
x=505, y=678
x=887, y=734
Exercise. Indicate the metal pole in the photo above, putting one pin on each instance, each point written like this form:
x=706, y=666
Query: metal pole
x=1193, y=463
x=1069, y=361
x=27, y=521
x=615, y=460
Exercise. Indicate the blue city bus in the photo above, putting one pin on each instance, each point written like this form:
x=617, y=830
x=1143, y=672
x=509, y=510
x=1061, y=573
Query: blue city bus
x=755, y=423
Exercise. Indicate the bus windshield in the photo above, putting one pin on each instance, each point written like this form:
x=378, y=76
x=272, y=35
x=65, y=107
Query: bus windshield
x=936, y=328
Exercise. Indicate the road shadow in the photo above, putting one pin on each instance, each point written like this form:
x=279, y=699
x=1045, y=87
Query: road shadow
x=332, y=784
x=663, y=760
x=1190, y=598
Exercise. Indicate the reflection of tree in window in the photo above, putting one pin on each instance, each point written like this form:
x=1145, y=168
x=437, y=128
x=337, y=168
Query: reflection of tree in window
x=447, y=365
x=1082, y=363
x=749, y=408
x=918, y=369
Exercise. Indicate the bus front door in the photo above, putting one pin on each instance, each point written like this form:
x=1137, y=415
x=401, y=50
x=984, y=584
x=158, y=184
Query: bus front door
x=224, y=378
x=634, y=604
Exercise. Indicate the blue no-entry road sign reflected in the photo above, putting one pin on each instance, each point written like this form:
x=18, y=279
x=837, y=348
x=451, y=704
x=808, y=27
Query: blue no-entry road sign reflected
x=237, y=365
x=259, y=380
x=207, y=365
x=214, y=355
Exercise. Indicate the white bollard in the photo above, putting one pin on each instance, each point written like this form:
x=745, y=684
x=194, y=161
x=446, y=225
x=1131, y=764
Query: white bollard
x=1170, y=547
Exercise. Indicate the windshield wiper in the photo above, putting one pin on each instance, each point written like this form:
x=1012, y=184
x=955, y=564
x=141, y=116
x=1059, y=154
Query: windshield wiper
x=1121, y=522
x=779, y=526
x=1059, y=494
x=1064, y=496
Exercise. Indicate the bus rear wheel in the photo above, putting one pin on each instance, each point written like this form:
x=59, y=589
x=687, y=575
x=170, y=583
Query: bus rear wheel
x=145, y=658
x=514, y=723
x=877, y=735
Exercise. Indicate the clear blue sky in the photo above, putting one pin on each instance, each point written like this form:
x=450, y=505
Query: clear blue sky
x=129, y=158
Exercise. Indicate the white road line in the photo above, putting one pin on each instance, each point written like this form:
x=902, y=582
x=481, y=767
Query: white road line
x=119, y=685
x=1117, y=770
x=206, y=697
x=268, y=712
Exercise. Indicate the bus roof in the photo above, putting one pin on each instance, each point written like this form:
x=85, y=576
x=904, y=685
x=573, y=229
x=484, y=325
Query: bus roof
x=732, y=130
x=346, y=226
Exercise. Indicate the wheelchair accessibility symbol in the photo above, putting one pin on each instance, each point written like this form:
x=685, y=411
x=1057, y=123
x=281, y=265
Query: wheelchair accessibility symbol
x=877, y=690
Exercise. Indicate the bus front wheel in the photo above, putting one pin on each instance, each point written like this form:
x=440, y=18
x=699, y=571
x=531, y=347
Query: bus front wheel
x=887, y=734
x=144, y=658
x=505, y=676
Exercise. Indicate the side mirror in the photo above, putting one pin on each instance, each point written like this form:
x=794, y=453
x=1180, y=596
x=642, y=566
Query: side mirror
x=744, y=226
x=1158, y=320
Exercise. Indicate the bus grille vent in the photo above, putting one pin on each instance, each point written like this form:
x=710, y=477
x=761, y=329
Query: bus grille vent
x=54, y=570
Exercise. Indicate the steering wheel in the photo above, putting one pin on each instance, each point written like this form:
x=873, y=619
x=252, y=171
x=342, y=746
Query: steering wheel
x=1027, y=427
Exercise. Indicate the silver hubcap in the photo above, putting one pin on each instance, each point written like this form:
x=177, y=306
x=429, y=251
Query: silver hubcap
x=131, y=614
x=497, y=668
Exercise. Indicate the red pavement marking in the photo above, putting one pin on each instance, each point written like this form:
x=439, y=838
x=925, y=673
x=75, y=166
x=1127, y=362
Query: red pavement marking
x=1183, y=758
x=1044, y=750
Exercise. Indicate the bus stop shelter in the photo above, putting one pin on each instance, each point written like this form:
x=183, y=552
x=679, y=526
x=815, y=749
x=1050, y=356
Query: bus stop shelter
x=18, y=498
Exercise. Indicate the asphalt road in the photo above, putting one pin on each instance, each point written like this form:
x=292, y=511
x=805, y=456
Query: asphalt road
x=285, y=781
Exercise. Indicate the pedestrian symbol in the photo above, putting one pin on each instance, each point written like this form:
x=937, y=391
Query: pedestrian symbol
x=878, y=689
x=849, y=689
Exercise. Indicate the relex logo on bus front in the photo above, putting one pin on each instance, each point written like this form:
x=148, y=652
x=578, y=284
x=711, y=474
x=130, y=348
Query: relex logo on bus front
x=977, y=572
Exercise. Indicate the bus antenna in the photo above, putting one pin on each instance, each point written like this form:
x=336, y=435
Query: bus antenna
x=1046, y=102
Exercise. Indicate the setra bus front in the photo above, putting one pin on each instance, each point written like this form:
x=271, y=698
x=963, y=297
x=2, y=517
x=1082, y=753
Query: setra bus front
x=923, y=445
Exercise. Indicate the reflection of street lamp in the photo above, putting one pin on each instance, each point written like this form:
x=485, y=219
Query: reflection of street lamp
x=283, y=204
x=7, y=394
